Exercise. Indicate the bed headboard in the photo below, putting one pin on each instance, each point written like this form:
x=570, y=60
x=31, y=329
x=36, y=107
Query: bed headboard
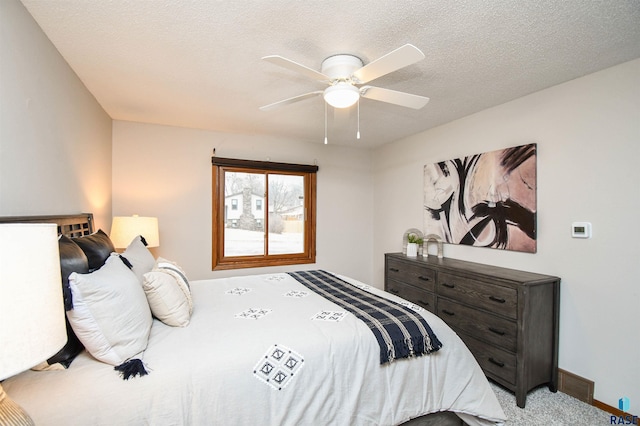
x=70, y=225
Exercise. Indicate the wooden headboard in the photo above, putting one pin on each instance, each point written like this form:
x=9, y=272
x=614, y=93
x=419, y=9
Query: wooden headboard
x=70, y=225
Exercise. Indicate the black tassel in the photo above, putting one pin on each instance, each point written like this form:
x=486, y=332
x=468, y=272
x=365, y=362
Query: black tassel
x=143, y=241
x=131, y=368
x=126, y=261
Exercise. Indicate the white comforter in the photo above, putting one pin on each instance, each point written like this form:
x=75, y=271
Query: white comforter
x=213, y=371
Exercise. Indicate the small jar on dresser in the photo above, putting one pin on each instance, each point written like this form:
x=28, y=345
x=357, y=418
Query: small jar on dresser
x=509, y=319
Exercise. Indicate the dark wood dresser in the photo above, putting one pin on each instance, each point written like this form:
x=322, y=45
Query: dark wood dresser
x=507, y=318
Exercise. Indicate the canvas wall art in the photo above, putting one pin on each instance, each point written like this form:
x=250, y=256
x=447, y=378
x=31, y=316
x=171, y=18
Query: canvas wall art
x=484, y=200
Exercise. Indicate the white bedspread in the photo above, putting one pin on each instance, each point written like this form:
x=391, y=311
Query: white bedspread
x=212, y=372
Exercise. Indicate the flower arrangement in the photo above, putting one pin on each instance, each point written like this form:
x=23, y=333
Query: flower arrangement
x=415, y=239
x=413, y=242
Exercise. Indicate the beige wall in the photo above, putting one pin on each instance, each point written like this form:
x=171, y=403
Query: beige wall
x=166, y=172
x=588, y=136
x=55, y=139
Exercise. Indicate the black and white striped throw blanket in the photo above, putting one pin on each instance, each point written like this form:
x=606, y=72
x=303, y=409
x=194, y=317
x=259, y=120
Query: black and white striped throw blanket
x=400, y=332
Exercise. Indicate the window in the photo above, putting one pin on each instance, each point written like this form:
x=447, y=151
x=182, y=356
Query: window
x=272, y=216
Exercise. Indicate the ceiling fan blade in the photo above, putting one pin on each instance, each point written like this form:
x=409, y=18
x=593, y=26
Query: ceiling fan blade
x=294, y=66
x=290, y=100
x=393, y=97
x=399, y=58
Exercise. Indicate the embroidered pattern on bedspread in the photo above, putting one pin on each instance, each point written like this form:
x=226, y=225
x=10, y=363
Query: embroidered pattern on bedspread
x=278, y=366
x=400, y=332
x=238, y=291
x=296, y=294
x=275, y=277
x=253, y=313
x=413, y=306
x=329, y=316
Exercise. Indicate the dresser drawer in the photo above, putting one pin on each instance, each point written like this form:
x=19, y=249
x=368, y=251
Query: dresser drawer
x=416, y=275
x=484, y=326
x=495, y=362
x=493, y=298
x=423, y=298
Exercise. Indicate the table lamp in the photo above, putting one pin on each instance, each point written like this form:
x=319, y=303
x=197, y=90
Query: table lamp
x=32, y=324
x=125, y=228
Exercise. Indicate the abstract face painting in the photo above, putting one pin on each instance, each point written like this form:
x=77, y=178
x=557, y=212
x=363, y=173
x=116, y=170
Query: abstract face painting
x=485, y=200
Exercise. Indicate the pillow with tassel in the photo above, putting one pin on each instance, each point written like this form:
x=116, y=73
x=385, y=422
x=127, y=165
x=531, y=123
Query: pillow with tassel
x=138, y=257
x=111, y=316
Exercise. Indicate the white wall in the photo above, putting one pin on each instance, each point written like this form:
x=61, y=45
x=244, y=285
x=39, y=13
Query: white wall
x=55, y=139
x=166, y=172
x=588, y=136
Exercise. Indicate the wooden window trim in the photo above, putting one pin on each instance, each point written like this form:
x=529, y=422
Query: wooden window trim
x=263, y=165
x=219, y=261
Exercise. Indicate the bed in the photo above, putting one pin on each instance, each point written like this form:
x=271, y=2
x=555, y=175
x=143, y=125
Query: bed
x=258, y=350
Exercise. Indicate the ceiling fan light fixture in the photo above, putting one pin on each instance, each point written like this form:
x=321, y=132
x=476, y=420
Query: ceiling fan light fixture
x=341, y=95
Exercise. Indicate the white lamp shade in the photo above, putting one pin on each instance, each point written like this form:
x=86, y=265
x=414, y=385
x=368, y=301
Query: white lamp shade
x=341, y=95
x=32, y=325
x=125, y=228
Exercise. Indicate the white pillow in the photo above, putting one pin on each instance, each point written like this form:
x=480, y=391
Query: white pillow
x=139, y=257
x=168, y=293
x=110, y=314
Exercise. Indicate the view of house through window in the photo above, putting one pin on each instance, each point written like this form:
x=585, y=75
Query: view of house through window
x=245, y=233
x=263, y=213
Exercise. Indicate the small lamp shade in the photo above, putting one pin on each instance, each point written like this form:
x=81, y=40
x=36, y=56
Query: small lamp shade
x=125, y=228
x=32, y=324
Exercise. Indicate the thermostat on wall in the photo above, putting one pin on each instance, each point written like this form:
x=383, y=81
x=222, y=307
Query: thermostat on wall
x=581, y=230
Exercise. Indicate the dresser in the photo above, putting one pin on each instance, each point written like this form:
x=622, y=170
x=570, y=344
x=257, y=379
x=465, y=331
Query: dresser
x=507, y=318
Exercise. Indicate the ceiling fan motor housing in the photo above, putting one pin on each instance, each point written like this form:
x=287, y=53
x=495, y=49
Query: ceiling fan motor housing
x=340, y=67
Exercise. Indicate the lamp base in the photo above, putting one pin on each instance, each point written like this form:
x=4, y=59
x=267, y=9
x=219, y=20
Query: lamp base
x=11, y=414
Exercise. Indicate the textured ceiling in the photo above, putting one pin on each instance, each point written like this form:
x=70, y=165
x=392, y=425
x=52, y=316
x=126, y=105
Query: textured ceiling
x=197, y=63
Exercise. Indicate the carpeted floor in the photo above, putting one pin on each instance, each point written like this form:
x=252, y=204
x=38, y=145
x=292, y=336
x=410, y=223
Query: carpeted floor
x=544, y=408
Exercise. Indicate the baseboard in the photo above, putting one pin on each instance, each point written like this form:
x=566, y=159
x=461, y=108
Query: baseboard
x=575, y=386
x=582, y=389
x=621, y=417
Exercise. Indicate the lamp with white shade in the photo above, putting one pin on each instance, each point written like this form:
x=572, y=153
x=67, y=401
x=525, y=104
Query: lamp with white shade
x=32, y=318
x=125, y=228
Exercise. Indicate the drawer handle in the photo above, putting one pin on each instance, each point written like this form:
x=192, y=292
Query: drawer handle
x=423, y=303
x=498, y=363
x=448, y=285
x=394, y=269
x=497, y=299
x=448, y=312
x=495, y=330
x=424, y=278
x=394, y=291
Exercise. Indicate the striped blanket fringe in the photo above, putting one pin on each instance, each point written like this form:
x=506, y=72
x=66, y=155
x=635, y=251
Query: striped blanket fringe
x=400, y=331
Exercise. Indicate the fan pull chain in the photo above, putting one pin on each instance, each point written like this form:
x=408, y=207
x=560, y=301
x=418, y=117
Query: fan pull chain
x=358, y=133
x=325, y=124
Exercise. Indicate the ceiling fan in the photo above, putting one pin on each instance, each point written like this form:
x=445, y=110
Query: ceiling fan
x=347, y=76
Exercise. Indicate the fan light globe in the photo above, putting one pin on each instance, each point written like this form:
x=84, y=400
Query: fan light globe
x=341, y=95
